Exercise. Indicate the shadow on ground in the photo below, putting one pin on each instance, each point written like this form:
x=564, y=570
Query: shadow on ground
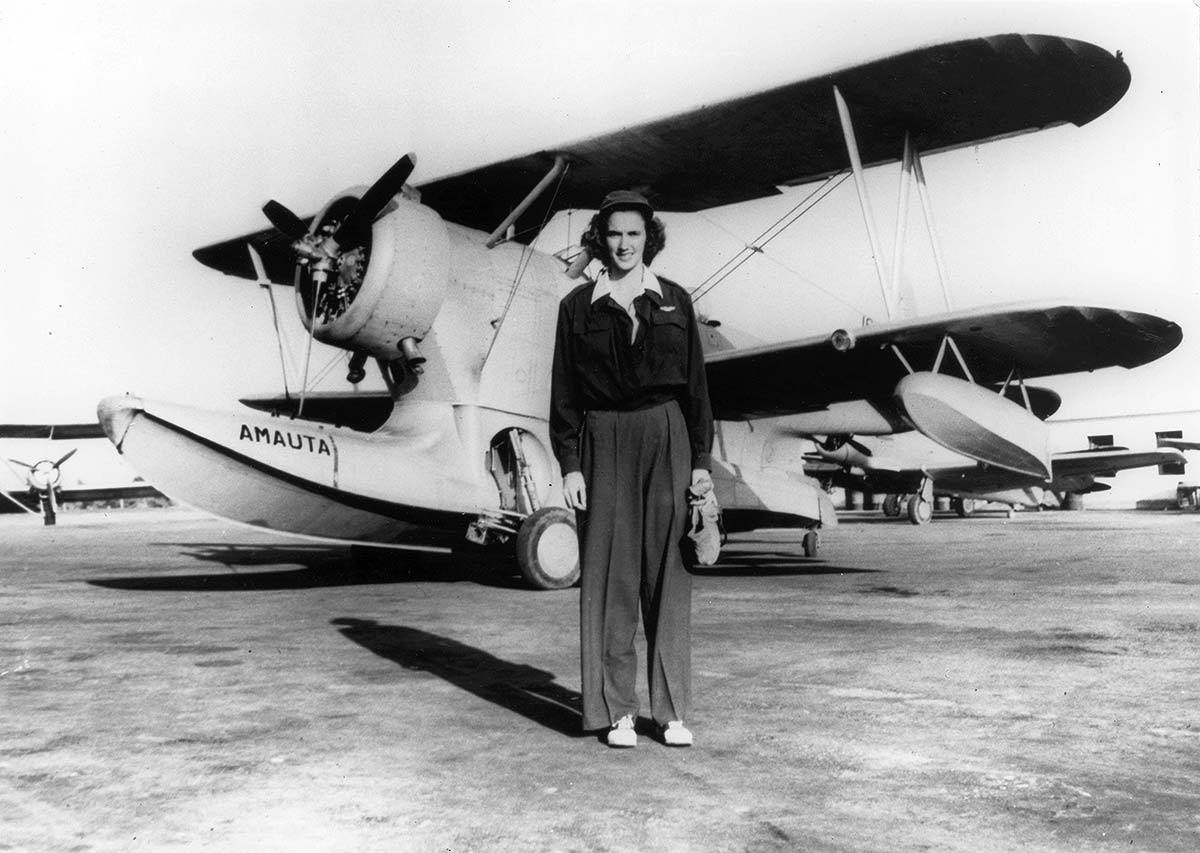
x=314, y=566
x=772, y=564
x=520, y=688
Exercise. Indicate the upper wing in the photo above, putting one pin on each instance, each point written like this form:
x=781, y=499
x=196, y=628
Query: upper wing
x=1036, y=339
x=56, y=431
x=945, y=96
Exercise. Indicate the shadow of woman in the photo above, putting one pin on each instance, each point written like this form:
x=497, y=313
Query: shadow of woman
x=524, y=689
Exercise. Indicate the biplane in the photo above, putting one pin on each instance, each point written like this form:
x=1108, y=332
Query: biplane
x=441, y=283
x=909, y=470
x=42, y=481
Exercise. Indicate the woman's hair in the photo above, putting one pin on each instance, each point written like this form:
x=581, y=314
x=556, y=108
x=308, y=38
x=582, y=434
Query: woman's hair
x=594, y=241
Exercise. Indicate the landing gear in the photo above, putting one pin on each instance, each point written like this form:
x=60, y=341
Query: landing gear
x=891, y=506
x=920, y=511
x=548, y=548
x=812, y=543
x=963, y=507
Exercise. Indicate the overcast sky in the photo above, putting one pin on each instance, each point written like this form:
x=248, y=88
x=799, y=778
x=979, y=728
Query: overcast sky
x=136, y=132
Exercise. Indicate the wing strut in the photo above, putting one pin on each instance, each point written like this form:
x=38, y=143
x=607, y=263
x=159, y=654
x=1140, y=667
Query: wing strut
x=498, y=235
x=927, y=207
x=863, y=200
x=910, y=166
x=906, y=176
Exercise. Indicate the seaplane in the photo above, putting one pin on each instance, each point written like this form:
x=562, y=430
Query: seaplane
x=445, y=285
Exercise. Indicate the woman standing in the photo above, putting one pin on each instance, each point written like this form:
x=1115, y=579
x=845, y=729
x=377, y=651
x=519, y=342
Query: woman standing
x=631, y=425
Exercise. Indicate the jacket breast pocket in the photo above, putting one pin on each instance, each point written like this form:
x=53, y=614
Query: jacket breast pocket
x=668, y=355
x=593, y=339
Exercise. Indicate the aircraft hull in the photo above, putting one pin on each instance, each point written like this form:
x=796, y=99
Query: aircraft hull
x=294, y=476
x=976, y=422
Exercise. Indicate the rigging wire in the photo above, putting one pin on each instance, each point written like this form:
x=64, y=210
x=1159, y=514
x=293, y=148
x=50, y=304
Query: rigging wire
x=337, y=356
x=816, y=197
x=753, y=244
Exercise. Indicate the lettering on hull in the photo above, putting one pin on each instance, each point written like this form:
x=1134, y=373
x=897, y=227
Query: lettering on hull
x=285, y=438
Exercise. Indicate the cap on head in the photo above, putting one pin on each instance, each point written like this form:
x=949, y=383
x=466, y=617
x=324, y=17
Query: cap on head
x=626, y=199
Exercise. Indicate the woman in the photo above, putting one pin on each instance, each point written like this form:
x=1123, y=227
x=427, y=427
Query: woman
x=631, y=426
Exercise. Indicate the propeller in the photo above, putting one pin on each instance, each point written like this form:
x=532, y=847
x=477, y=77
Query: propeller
x=338, y=258
x=833, y=442
x=360, y=217
x=45, y=474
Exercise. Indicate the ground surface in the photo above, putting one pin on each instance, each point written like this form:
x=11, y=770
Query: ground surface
x=167, y=680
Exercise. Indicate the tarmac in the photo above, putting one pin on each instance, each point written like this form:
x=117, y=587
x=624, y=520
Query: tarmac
x=168, y=681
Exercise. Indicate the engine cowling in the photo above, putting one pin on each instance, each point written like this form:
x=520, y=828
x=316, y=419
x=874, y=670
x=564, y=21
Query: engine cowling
x=390, y=286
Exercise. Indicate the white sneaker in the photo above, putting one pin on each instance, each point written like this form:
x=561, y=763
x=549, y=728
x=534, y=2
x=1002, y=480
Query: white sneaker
x=622, y=734
x=675, y=733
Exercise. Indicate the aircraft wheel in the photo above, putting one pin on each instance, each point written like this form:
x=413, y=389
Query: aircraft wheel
x=812, y=543
x=919, y=510
x=891, y=506
x=548, y=548
x=964, y=507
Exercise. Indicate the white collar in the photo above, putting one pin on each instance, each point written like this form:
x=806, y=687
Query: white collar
x=604, y=288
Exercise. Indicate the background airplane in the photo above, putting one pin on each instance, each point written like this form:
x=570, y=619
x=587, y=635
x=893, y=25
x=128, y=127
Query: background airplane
x=911, y=470
x=36, y=478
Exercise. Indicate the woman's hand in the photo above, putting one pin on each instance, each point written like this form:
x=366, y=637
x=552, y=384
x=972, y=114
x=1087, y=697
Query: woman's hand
x=575, y=491
x=702, y=483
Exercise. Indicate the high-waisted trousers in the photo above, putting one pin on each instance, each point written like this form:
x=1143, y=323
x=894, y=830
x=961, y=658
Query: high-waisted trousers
x=637, y=467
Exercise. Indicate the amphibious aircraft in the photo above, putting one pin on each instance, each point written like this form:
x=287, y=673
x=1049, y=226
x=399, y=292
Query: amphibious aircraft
x=42, y=480
x=440, y=283
x=911, y=470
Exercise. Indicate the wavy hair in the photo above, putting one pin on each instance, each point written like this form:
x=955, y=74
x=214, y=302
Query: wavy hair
x=594, y=241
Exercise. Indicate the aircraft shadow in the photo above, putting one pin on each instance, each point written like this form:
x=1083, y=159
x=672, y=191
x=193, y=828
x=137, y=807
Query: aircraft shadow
x=759, y=564
x=320, y=566
x=519, y=688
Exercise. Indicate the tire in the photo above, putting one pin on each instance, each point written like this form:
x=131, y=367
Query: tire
x=548, y=549
x=812, y=543
x=963, y=507
x=919, y=510
x=891, y=506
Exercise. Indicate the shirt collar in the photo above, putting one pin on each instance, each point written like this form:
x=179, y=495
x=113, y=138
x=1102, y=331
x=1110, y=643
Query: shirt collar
x=603, y=286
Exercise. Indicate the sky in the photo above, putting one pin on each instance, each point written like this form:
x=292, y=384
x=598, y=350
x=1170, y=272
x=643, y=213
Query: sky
x=138, y=131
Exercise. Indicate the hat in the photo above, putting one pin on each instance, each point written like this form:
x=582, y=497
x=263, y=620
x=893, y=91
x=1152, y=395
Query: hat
x=626, y=198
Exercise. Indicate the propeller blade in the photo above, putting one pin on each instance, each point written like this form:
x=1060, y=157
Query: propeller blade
x=859, y=446
x=374, y=199
x=67, y=456
x=288, y=223
x=23, y=464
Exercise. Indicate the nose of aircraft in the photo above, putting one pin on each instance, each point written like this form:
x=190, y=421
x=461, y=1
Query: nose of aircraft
x=116, y=413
